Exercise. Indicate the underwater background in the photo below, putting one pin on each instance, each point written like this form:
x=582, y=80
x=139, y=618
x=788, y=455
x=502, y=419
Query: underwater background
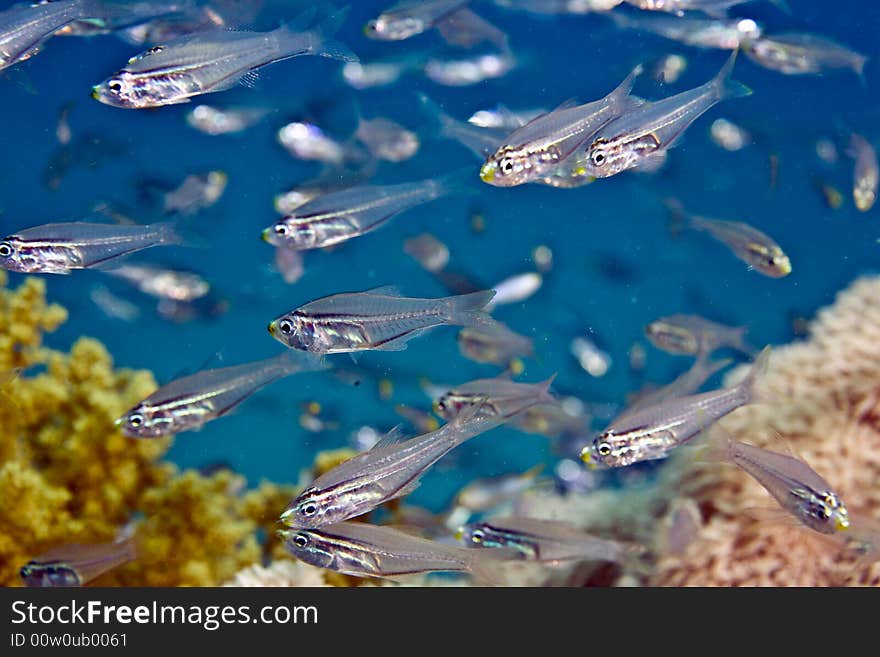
x=615, y=263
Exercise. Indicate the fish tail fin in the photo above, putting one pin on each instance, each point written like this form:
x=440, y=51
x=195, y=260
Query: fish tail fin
x=859, y=68
x=486, y=565
x=456, y=182
x=316, y=41
x=724, y=86
x=544, y=396
x=715, y=446
x=757, y=371
x=467, y=309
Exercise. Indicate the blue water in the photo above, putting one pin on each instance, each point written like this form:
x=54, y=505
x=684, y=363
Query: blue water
x=618, y=224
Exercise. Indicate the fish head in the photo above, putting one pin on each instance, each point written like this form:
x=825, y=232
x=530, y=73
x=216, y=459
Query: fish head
x=507, y=168
x=473, y=535
x=277, y=234
x=135, y=91
x=671, y=338
x=822, y=511
x=50, y=574
x=608, y=157
x=144, y=421
x=449, y=405
x=768, y=259
x=307, y=546
x=294, y=331
x=391, y=28
x=118, y=90
x=606, y=452
x=11, y=254
x=312, y=508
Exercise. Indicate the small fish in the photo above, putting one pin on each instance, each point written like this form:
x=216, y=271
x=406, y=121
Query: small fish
x=376, y=319
x=224, y=121
x=307, y=141
x=544, y=541
x=339, y=216
x=387, y=140
x=502, y=118
x=61, y=248
x=866, y=173
x=207, y=62
x=466, y=71
x=760, y=252
x=648, y=131
x=194, y=19
x=803, y=54
x=693, y=335
x=363, y=550
x=428, y=251
x=565, y=417
x=794, y=484
x=516, y=288
x=719, y=33
x=367, y=75
x=499, y=397
x=729, y=136
x=493, y=342
x=76, y=564
x=189, y=402
x=24, y=29
x=163, y=282
x=196, y=192
x=545, y=142
x=456, y=23
x=592, y=359
x=652, y=432
x=112, y=305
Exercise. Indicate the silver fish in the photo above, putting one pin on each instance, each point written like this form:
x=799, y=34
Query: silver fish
x=376, y=319
x=337, y=217
x=113, y=16
x=224, y=121
x=207, y=62
x=307, y=141
x=24, y=29
x=389, y=470
x=191, y=401
x=652, y=432
x=758, y=250
x=729, y=136
x=162, y=282
x=514, y=289
x=544, y=541
x=363, y=550
x=61, y=248
x=493, y=342
x=428, y=251
x=474, y=69
x=803, y=54
x=196, y=192
x=794, y=484
x=502, y=118
x=720, y=33
x=387, y=140
x=866, y=173
x=648, y=131
x=545, y=142
x=456, y=23
x=717, y=8
x=693, y=335
x=367, y=75
x=492, y=397
x=76, y=564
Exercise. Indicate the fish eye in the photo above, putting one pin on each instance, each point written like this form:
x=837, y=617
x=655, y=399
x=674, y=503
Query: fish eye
x=598, y=158
x=285, y=326
x=506, y=165
x=135, y=420
x=477, y=536
x=300, y=540
x=281, y=230
x=309, y=508
x=115, y=86
x=822, y=513
x=604, y=449
x=6, y=250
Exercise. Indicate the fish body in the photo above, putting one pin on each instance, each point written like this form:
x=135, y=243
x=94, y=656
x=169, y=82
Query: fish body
x=693, y=335
x=163, y=283
x=25, y=28
x=76, y=564
x=189, y=402
x=61, y=248
x=758, y=250
x=223, y=121
x=542, y=144
x=652, y=432
x=718, y=33
x=866, y=173
x=207, y=62
x=364, y=550
x=339, y=216
x=411, y=17
x=798, y=488
x=803, y=54
x=377, y=319
x=492, y=397
x=493, y=342
x=386, y=140
x=646, y=132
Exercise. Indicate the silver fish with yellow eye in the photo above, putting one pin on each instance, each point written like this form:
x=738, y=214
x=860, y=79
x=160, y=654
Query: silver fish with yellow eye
x=653, y=432
x=645, y=134
x=493, y=397
x=866, y=174
x=376, y=319
x=544, y=143
x=798, y=488
x=24, y=28
x=758, y=250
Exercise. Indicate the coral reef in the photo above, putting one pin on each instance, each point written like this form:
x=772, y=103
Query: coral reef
x=823, y=397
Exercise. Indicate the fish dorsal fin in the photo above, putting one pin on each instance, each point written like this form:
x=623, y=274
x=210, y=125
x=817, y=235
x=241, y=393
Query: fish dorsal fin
x=393, y=437
x=385, y=290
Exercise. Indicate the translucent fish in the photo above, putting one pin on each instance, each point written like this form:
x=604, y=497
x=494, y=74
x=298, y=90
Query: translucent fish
x=652, y=432
x=456, y=23
x=545, y=142
x=392, y=468
x=466, y=71
x=693, y=335
x=76, y=564
x=866, y=173
x=696, y=31
x=592, y=359
x=223, y=121
x=377, y=319
x=545, y=541
x=189, y=402
x=24, y=28
x=648, y=131
x=112, y=305
x=803, y=54
x=498, y=396
x=728, y=135
x=208, y=62
x=757, y=249
x=368, y=75
x=196, y=192
x=502, y=118
x=387, y=140
x=792, y=483
x=516, y=288
x=363, y=550
x=428, y=251
x=493, y=342
x=61, y=248
x=307, y=141
x=339, y=216
x=163, y=282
